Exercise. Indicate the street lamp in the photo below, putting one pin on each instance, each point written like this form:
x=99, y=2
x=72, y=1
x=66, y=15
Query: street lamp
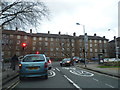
x=85, y=42
x=116, y=48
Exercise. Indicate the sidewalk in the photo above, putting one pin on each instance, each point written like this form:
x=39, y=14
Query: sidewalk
x=94, y=67
x=7, y=74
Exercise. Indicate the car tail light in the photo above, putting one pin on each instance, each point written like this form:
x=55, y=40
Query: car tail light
x=20, y=66
x=49, y=61
x=46, y=65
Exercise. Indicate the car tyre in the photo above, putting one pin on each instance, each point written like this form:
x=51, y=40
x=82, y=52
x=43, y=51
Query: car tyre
x=46, y=76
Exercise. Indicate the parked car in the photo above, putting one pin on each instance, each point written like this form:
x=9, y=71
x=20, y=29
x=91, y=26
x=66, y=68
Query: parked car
x=76, y=59
x=49, y=62
x=66, y=62
x=33, y=65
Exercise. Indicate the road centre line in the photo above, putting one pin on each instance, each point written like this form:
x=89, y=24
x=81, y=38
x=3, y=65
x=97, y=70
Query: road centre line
x=95, y=79
x=109, y=85
x=74, y=84
x=57, y=69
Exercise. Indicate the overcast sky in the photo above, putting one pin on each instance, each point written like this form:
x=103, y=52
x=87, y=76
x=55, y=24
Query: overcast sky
x=97, y=16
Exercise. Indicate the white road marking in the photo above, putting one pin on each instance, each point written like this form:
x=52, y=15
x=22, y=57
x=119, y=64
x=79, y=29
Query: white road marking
x=57, y=69
x=72, y=82
x=53, y=73
x=82, y=73
x=95, y=79
x=109, y=85
x=13, y=85
x=100, y=73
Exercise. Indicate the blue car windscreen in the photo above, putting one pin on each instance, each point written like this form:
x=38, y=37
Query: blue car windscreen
x=33, y=59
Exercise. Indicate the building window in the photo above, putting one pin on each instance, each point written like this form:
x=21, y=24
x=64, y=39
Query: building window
x=72, y=44
x=11, y=36
x=73, y=54
x=57, y=49
x=46, y=43
x=80, y=40
x=90, y=45
x=40, y=48
x=95, y=41
x=18, y=36
x=40, y=38
x=100, y=41
x=46, y=39
x=33, y=48
x=34, y=38
x=105, y=41
x=25, y=37
x=96, y=50
x=90, y=49
x=18, y=41
x=51, y=44
x=34, y=43
x=90, y=40
x=73, y=40
x=51, y=49
x=51, y=39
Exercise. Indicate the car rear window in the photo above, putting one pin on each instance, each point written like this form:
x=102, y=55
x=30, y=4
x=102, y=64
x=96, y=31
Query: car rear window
x=34, y=58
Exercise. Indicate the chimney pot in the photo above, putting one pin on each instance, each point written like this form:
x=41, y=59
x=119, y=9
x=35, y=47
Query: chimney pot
x=74, y=34
x=30, y=30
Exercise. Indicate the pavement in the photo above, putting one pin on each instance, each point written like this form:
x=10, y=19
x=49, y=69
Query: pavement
x=8, y=74
x=94, y=67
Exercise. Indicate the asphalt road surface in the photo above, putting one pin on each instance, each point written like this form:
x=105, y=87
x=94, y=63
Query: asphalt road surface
x=70, y=77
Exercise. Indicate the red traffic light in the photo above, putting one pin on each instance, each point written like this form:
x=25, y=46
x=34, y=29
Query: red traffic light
x=37, y=52
x=24, y=44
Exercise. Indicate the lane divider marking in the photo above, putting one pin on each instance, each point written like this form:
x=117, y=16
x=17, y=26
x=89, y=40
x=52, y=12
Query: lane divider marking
x=74, y=84
x=57, y=69
x=109, y=85
x=95, y=79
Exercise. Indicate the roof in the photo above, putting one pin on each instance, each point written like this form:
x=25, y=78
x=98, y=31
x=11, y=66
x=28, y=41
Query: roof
x=17, y=32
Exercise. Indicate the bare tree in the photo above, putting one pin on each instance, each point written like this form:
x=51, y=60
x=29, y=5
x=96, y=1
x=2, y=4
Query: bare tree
x=19, y=13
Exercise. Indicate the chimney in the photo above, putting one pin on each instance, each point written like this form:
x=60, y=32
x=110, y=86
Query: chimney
x=74, y=34
x=114, y=37
x=16, y=28
x=94, y=34
x=85, y=33
x=103, y=36
x=59, y=32
x=48, y=32
x=30, y=30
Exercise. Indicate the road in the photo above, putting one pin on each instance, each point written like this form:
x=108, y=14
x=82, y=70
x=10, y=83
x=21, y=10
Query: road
x=69, y=77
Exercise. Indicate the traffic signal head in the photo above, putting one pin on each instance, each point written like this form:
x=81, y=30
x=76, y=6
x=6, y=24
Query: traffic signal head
x=37, y=52
x=24, y=44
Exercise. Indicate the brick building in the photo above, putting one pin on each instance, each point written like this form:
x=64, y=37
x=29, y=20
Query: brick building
x=53, y=45
x=112, y=48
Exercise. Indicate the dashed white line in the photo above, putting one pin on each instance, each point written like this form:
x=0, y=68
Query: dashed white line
x=109, y=85
x=72, y=82
x=57, y=69
x=95, y=79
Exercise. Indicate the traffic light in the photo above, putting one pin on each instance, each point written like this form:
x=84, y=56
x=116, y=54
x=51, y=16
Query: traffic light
x=24, y=45
x=37, y=52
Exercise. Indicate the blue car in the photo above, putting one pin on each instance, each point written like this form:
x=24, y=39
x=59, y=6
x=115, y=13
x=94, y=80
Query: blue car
x=33, y=65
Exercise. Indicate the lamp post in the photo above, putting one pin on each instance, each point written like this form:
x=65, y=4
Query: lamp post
x=85, y=42
x=116, y=47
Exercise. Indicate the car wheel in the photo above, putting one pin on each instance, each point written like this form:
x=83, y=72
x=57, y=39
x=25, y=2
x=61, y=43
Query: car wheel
x=61, y=64
x=46, y=76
